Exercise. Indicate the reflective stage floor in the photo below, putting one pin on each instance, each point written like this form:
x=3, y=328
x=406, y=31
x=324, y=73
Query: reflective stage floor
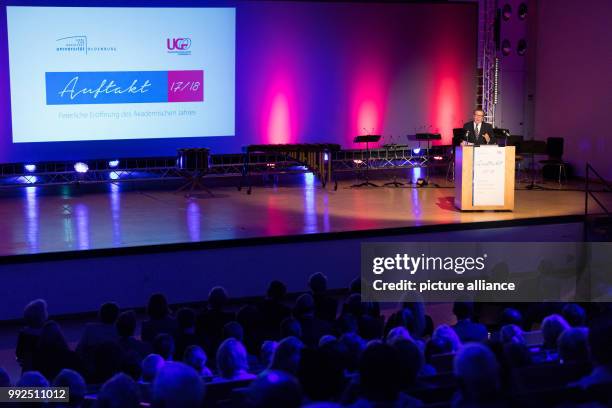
x=36, y=220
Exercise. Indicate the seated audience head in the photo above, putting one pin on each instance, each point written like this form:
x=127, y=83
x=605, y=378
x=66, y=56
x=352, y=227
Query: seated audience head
x=410, y=359
x=346, y=323
x=477, y=371
x=177, y=385
x=164, y=346
x=157, y=308
x=287, y=355
x=5, y=380
x=511, y=333
x=233, y=330
x=274, y=389
x=196, y=358
x=574, y=314
x=600, y=338
x=573, y=345
x=304, y=306
x=552, y=327
x=398, y=333
x=276, y=291
x=328, y=338
x=32, y=379
x=463, y=310
x=317, y=282
x=511, y=316
x=447, y=332
x=321, y=374
x=108, y=313
x=35, y=313
x=290, y=327
x=268, y=348
x=354, y=305
x=379, y=372
x=126, y=324
x=151, y=366
x=185, y=318
x=231, y=359
x=119, y=392
x=437, y=345
x=75, y=383
x=217, y=298
x=354, y=346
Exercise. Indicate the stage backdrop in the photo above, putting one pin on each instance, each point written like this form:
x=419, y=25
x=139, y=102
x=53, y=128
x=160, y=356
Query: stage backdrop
x=308, y=72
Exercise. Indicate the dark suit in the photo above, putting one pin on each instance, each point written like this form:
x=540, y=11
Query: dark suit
x=478, y=139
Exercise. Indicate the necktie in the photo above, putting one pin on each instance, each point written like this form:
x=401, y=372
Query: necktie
x=477, y=130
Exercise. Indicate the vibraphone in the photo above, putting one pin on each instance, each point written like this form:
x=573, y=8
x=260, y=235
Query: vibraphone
x=317, y=157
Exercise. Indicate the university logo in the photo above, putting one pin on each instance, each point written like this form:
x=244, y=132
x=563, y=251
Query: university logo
x=179, y=46
x=78, y=44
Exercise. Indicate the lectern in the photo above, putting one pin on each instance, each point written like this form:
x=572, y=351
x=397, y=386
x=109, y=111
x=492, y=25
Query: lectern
x=484, y=178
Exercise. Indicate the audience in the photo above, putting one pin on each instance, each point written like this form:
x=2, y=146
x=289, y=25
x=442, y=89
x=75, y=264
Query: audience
x=100, y=332
x=210, y=321
x=325, y=306
x=274, y=389
x=126, y=326
x=232, y=361
x=160, y=320
x=321, y=360
x=177, y=386
x=466, y=329
x=195, y=357
x=75, y=384
x=35, y=315
x=119, y=392
x=477, y=372
x=52, y=353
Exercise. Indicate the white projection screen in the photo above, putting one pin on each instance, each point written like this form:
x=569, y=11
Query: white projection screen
x=85, y=73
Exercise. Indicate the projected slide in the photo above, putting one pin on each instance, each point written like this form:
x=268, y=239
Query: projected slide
x=79, y=73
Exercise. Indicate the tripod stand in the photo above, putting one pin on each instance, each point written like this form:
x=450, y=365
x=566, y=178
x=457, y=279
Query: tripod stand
x=367, y=139
x=531, y=148
x=428, y=137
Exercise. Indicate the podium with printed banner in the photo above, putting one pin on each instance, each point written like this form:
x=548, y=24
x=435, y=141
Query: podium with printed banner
x=484, y=178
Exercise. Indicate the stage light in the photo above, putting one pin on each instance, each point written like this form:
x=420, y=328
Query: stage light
x=417, y=150
x=357, y=161
x=113, y=164
x=325, y=157
x=30, y=168
x=27, y=179
x=438, y=158
x=521, y=49
x=81, y=167
x=271, y=165
x=421, y=182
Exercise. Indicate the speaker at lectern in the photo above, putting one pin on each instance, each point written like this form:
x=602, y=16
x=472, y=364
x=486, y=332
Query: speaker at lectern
x=484, y=178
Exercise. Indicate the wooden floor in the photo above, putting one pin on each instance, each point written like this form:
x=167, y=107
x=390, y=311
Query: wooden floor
x=33, y=221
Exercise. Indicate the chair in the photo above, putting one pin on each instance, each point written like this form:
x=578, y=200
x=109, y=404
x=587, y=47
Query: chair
x=554, y=150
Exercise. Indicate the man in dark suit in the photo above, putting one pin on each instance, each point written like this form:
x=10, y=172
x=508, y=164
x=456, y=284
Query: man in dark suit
x=477, y=131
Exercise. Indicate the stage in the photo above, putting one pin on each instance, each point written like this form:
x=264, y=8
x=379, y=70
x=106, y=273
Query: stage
x=36, y=221
x=78, y=248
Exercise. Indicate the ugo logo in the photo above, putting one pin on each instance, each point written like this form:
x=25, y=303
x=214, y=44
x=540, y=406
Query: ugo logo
x=179, y=45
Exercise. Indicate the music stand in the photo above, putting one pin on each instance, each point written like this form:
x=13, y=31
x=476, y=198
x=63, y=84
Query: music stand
x=367, y=139
x=428, y=137
x=531, y=148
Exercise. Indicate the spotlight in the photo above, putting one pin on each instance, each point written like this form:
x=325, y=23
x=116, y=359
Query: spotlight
x=357, y=161
x=81, y=167
x=438, y=158
x=325, y=157
x=421, y=182
x=417, y=150
x=521, y=49
x=113, y=164
x=30, y=168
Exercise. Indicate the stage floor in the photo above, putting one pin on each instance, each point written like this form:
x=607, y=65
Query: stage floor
x=35, y=221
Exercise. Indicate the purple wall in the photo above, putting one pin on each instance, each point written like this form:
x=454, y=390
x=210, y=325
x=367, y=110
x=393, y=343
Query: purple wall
x=574, y=80
x=312, y=72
